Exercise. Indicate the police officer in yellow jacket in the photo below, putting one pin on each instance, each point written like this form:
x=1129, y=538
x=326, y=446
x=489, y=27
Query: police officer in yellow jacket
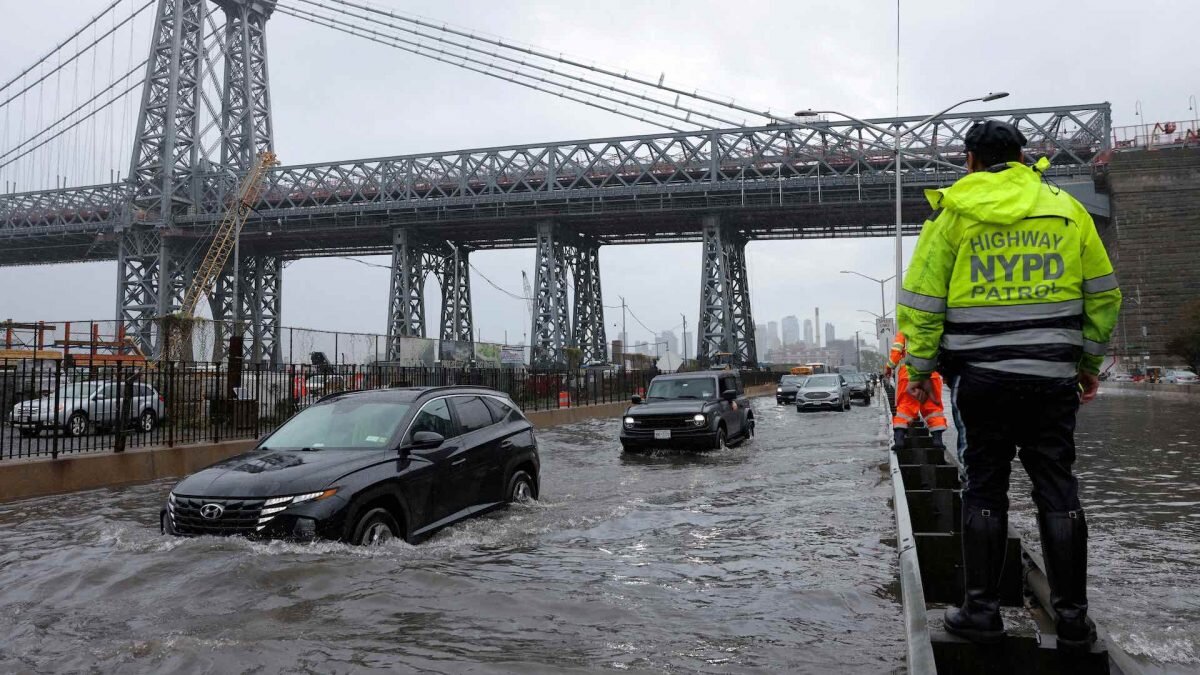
x=1010, y=294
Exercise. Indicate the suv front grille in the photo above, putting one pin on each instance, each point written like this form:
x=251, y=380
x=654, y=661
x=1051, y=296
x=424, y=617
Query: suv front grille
x=816, y=394
x=238, y=516
x=664, y=421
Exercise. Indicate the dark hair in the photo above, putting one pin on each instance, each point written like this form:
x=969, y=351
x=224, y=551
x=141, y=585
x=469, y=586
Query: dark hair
x=995, y=142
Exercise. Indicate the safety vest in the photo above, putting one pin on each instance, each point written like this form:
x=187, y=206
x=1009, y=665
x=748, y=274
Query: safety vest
x=1011, y=278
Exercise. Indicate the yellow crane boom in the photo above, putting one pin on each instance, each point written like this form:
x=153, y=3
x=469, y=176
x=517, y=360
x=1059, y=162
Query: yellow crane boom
x=227, y=233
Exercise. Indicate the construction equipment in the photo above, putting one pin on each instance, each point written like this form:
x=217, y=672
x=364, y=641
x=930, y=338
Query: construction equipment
x=227, y=233
x=528, y=295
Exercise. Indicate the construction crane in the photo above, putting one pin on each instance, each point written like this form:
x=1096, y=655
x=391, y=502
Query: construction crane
x=227, y=233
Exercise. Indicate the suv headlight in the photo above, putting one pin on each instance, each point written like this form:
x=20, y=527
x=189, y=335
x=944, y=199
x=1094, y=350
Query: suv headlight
x=778, y=389
x=629, y=422
x=699, y=419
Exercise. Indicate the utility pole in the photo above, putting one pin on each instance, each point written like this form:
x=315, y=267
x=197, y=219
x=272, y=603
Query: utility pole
x=685, y=352
x=624, y=335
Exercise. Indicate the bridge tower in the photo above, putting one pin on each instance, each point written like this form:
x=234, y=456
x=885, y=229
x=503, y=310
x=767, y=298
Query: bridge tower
x=413, y=260
x=153, y=269
x=726, y=324
x=561, y=253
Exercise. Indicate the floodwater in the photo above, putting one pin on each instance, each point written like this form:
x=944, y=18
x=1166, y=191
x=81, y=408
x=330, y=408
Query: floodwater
x=772, y=557
x=1139, y=470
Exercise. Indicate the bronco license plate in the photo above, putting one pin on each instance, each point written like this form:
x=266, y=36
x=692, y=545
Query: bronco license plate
x=662, y=434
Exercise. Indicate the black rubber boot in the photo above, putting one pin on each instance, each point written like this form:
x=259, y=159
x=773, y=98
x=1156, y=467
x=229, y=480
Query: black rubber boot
x=937, y=440
x=899, y=438
x=1064, y=547
x=984, y=543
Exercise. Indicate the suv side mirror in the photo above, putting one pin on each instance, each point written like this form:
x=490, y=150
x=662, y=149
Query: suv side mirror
x=424, y=440
x=637, y=400
x=729, y=395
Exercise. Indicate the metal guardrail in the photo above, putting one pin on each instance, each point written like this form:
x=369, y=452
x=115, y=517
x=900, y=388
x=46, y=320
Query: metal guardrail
x=916, y=621
x=1160, y=135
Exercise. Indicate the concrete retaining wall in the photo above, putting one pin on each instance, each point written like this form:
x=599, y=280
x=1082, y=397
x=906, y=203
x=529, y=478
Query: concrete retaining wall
x=1173, y=391
x=21, y=479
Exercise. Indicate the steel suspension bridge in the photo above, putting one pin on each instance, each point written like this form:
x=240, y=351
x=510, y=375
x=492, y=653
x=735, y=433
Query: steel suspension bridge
x=719, y=173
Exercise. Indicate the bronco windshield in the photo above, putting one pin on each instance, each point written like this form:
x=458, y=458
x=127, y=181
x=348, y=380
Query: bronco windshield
x=795, y=380
x=683, y=387
x=342, y=423
x=822, y=382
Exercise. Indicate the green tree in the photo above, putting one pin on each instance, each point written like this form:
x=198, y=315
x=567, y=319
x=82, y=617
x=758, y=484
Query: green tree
x=1185, y=341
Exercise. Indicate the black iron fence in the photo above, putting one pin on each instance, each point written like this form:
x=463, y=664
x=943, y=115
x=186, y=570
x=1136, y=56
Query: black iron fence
x=48, y=409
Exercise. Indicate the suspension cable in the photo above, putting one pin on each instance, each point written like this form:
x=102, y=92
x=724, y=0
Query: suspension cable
x=77, y=54
x=422, y=50
x=566, y=61
x=495, y=54
x=434, y=56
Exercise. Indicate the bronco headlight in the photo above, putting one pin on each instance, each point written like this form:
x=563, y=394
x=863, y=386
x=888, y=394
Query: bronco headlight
x=699, y=419
x=629, y=422
x=778, y=389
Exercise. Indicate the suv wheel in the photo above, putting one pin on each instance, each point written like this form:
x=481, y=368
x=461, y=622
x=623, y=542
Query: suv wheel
x=147, y=421
x=722, y=443
x=520, y=488
x=376, y=527
x=77, y=424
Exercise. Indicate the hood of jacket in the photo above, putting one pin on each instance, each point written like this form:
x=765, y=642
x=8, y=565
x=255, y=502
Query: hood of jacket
x=1003, y=197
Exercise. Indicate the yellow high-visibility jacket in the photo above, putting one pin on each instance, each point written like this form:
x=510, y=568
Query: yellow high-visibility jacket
x=1010, y=278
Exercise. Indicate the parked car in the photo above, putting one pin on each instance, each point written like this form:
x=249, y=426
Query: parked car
x=1180, y=377
x=77, y=407
x=824, y=391
x=701, y=411
x=365, y=467
x=860, y=388
x=785, y=392
x=1121, y=377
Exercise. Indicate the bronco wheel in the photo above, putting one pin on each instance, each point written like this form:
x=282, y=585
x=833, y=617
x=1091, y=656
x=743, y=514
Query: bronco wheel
x=722, y=442
x=77, y=424
x=147, y=421
x=521, y=488
x=377, y=526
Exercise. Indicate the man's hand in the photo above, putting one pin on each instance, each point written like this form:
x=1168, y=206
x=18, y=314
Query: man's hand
x=887, y=372
x=1090, y=385
x=921, y=389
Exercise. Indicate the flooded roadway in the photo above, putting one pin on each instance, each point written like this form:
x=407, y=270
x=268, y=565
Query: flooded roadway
x=772, y=557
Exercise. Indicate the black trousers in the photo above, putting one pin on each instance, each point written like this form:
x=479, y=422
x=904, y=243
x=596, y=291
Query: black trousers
x=1036, y=417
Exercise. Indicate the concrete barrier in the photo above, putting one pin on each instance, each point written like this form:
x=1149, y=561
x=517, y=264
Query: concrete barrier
x=38, y=477
x=1172, y=391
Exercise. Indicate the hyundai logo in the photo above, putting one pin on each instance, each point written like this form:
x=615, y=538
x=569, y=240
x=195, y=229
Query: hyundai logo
x=212, y=511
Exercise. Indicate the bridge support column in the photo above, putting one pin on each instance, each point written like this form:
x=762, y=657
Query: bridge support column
x=406, y=304
x=142, y=295
x=550, y=328
x=726, y=324
x=588, y=316
x=260, y=289
x=455, y=278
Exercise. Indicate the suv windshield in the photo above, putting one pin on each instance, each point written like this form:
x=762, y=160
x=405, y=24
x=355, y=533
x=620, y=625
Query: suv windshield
x=822, y=381
x=684, y=387
x=341, y=423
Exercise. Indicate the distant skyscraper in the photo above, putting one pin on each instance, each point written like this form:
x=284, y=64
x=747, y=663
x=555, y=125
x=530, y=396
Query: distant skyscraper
x=760, y=335
x=672, y=342
x=791, y=330
x=808, y=333
x=772, y=335
x=829, y=337
x=817, y=326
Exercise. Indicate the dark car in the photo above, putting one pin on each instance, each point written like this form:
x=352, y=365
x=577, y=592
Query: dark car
x=367, y=466
x=785, y=391
x=696, y=411
x=860, y=388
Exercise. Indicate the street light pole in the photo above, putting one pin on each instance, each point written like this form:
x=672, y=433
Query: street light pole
x=897, y=135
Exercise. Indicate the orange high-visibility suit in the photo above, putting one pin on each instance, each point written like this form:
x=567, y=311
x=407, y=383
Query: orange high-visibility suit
x=907, y=407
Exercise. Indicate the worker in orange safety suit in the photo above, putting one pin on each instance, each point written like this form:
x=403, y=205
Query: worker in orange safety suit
x=908, y=407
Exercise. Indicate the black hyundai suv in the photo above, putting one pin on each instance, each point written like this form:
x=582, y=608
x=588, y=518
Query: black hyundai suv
x=365, y=467
x=699, y=411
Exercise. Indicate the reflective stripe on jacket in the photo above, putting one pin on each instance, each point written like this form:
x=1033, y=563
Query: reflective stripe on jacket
x=1011, y=277
x=897, y=351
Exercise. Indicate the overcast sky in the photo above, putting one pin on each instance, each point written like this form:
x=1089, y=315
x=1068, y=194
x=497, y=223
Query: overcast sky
x=338, y=97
